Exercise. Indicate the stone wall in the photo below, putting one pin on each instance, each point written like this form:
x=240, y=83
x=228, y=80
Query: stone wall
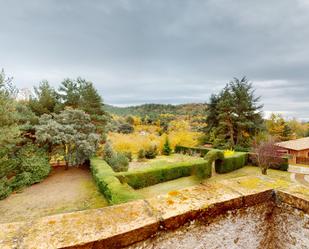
x=241, y=228
x=240, y=213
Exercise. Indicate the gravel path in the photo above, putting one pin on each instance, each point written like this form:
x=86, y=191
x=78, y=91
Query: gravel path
x=63, y=191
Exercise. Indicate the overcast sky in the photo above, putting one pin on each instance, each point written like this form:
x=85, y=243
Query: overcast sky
x=162, y=51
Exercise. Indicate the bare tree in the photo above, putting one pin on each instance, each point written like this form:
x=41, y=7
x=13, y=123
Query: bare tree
x=266, y=153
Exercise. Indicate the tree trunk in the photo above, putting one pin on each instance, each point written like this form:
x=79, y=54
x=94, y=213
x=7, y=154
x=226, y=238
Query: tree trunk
x=264, y=171
x=66, y=165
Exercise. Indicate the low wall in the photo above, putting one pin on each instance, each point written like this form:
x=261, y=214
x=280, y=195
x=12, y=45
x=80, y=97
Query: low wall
x=229, y=214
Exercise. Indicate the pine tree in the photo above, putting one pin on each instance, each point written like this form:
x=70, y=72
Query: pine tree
x=45, y=99
x=167, y=150
x=69, y=93
x=234, y=115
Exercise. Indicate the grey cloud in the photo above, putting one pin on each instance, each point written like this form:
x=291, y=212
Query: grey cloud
x=169, y=51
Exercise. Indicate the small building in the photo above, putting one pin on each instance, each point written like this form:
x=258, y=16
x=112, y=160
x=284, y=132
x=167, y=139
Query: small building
x=298, y=150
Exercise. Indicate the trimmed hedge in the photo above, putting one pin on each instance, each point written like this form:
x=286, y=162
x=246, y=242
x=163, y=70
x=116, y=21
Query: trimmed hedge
x=191, y=150
x=153, y=175
x=283, y=166
x=231, y=163
x=114, y=191
x=222, y=164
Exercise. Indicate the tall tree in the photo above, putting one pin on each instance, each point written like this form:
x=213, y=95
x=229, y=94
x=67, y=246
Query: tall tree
x=234, y=115
x=81, y=94
x=72, y=131
x=9, y=129
x=69, y=93
x=45, y=99
x=278, y=127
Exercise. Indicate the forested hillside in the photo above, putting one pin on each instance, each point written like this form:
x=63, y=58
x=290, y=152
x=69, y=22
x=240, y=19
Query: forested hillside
x=158, y=109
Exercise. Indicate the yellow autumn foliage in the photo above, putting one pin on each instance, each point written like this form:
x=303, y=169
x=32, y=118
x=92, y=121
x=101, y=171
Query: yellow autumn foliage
x=142, y=140
x=228, y=153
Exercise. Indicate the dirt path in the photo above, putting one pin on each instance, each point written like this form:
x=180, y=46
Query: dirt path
x=63, y=191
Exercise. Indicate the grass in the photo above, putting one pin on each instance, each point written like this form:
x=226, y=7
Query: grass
x=280, y=179
x=161, y=160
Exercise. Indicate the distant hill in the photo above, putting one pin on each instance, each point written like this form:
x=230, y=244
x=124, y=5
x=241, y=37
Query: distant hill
x=157, y=109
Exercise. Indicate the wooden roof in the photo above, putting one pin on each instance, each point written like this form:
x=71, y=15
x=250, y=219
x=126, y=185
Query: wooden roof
x=297, y=144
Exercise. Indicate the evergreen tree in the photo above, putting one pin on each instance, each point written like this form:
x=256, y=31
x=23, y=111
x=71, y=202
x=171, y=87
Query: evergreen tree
x=234, y=115
x=69, y=93
x=167, y=150
x=45, y=99
x=72, y=131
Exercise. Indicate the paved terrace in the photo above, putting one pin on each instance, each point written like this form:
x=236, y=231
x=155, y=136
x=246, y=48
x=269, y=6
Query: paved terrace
x=123, y=225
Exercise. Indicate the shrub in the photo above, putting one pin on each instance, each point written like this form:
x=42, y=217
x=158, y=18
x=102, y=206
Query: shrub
x=149, y=176
x=34, y=161
x=114, y=191
x=119, y=162
x=204, y=171
x=128, y=154
x=229, y=153
x=151, y=152
x=5, y=188
x=166, y=148
x=21, y=180
x=191, y=150
x=214, y=155
x=228, y=164
x=282, y=164
x=141, y=154
x=126, y=128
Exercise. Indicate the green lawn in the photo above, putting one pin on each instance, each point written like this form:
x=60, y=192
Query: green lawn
x=162, y=160
x=165, y=187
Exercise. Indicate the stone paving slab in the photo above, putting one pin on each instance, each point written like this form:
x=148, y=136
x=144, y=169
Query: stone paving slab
x=82, y=227
x=177, y=207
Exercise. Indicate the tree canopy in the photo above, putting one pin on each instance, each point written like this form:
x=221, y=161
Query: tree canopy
x=234, y=115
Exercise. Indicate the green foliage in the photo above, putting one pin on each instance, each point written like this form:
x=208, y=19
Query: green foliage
x=128, y=155
x=21, y=180
x=151, y=152
x=191, y=150
x=278, y=128
x=118, y=161
x=204, y=171
x=231, y=163
x=109, y=185
x=30, y=166
x=69, y=93
x=167, y=150
x=141, y=154
x=5, y=188
x=125, y=128
x=34, y=161
x=45, y=100
x=214, y=155
x=156, y=174
x=234, y=115
x=72, y=131
x=223, y=164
